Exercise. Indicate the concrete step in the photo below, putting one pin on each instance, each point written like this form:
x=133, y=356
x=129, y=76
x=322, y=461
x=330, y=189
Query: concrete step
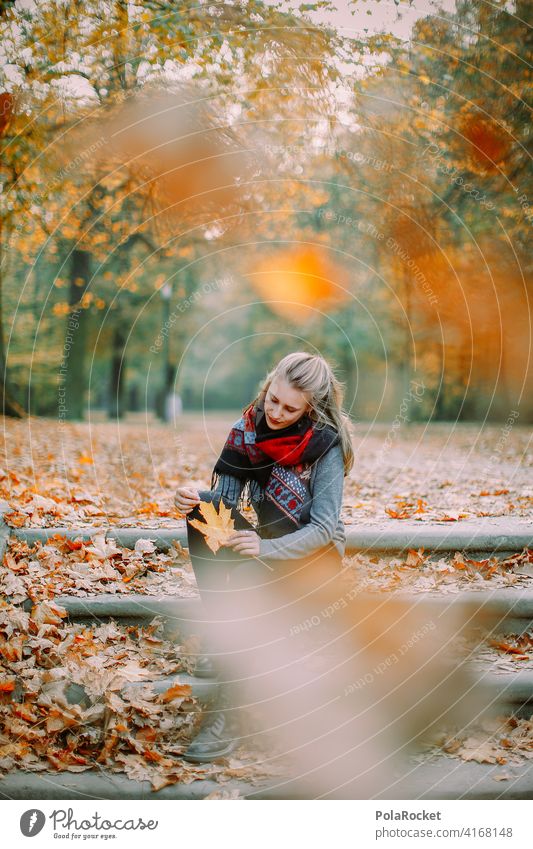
x=133, y=607
x=510, y=610
x=447, y=777
x=203, y=689
x=486, y=535
x=103, y=785
x=512, y=691
x=443, y=778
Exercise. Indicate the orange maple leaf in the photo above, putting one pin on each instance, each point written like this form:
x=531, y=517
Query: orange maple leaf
x=217, y=528
x=177, y=691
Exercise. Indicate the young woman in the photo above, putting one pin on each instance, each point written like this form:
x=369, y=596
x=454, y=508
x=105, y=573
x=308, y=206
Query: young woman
x=287, y=456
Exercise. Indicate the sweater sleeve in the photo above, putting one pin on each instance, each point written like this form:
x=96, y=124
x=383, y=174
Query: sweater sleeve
x=323, y=517
x=229, y=487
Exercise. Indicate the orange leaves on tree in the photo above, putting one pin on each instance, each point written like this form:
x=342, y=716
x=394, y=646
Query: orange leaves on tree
x=6, y=111
x=175, y=143
x=298, y=282
x=217, y=528
x=488, y=143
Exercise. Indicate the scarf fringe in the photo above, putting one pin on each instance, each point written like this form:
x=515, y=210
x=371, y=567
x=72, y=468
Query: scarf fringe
x=245, y=498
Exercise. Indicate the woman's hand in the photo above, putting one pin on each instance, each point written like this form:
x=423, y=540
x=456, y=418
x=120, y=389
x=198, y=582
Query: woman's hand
x=245, y=542
x=186, y=498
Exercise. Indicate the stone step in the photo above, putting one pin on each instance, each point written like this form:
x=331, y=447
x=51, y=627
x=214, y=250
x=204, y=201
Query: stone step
x=511, y=692
x=446, y=777
x=508, y=693
x=443, y=778
x=203, y=689
x=505, y=607
x=179, y=613
x=486, y=535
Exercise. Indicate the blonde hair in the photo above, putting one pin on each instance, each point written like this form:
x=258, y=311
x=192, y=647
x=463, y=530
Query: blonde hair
x=312, y=374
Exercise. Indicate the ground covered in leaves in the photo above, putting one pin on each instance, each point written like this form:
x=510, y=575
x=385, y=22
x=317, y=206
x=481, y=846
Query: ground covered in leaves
x=418, y=571
x=503, y=740
x=75, y=697
x=106, y=473
x=61, y=566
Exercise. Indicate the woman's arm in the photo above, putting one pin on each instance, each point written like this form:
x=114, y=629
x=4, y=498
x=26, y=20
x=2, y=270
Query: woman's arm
x=323, y=517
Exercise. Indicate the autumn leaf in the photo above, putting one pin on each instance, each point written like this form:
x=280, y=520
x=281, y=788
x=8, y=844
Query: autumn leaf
x=178, y=691
x=217, y=528
x=12, y=564
x=145, y=546
x=15, y=519
x=399, y=514
x=499, y=644
x=480, y=751
x=48, y=613
x=101, y=548
x=415, y=558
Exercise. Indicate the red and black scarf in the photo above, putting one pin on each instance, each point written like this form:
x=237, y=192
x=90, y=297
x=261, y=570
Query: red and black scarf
x=279, y=461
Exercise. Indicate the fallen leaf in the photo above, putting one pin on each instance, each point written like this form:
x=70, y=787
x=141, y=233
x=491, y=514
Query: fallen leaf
x=145, y=546
x=101, y=548
x=47, y=613
x=178, y=691
x=415, y=558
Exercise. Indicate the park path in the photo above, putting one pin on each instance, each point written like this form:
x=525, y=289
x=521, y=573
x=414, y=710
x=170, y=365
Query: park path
x=92, y=545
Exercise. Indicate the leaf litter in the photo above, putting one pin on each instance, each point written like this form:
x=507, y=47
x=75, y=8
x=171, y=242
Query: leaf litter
x=125, y=473
x=62, y=566
x=90, y=476
x=75, y=697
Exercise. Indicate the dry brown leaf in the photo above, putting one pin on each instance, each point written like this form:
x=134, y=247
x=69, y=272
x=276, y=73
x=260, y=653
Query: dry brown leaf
x=47, y=613
x=102, y=549
x=145, y=546
x=415, y=557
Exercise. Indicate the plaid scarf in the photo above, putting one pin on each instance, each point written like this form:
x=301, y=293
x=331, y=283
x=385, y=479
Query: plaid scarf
x=279, y=461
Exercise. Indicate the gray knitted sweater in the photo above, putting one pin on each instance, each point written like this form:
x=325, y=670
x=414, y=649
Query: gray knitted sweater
x=325, y=523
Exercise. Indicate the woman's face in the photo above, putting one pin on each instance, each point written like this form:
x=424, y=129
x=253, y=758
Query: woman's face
x=284, y=404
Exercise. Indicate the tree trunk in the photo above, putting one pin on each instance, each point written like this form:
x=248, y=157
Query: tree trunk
x=72, y=373
x=116, y=388
x=10, y=407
